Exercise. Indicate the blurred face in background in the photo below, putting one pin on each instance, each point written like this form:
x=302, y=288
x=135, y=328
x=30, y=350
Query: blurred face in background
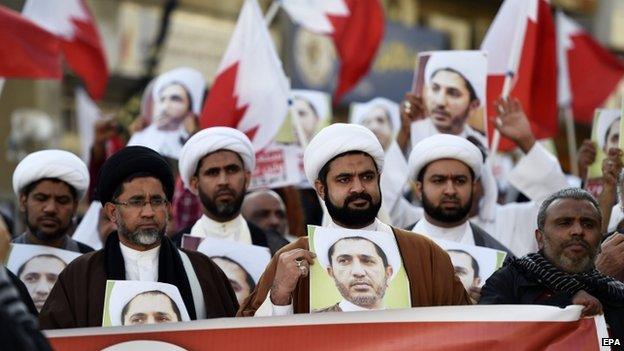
x=378, y=121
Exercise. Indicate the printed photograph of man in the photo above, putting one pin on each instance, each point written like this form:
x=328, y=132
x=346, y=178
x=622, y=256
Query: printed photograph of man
x=454, y=94
x=308, y=112
x=39, y=274
x=466, y=268
x=150, y=307
x=380, y=116
x=242, y=282
x=608, y=132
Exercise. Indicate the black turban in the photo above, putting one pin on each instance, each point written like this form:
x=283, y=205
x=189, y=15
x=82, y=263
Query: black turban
x=128, y=161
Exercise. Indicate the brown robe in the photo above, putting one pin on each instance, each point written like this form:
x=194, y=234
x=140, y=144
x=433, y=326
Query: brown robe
x=77, y=299
x=429, y=269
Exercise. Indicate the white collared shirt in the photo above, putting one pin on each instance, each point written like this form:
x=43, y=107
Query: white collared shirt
x=235, y=230
x=347, y=306
x=269, y=309
x=140, y=265
x=461, y=233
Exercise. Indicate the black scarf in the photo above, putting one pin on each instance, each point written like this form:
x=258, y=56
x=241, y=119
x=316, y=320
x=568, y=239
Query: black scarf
x=170, y=268
x=603, y=287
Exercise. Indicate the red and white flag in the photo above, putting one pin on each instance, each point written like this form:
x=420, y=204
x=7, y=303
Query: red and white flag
x=251, y=90
x=521, y=43
x=356, y=27
x=27, y=50
x=588, y=72
x=71, y=21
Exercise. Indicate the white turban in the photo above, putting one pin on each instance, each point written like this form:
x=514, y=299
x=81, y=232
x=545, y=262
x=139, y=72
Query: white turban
x=444, y=146
x=57, y=164
x=324, y=238
x=124, y=291
x=606, y=117
x=211, y=140
x=253, y=259
x=337, y=139
x=360, y=111
x=472, y=65
x=191, y=79
x=22, y=253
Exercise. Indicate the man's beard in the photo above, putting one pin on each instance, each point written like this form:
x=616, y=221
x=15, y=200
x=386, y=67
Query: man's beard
x=222, y=211
x=446, y=216
x=567, y=264
x=350, y=217
x=366, y=301
x=43, y=236
x=140, y=237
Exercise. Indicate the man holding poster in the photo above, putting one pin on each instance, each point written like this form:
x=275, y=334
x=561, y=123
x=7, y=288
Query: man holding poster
x=344, y=162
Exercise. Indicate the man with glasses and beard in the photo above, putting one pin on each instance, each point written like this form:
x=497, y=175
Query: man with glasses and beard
x=49, y=184
x=563, y=271
x=216, y=165
x=344, y=162
x=136, y=186
x=445, y=169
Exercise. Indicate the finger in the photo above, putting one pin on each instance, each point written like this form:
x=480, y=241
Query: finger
x=615, y=240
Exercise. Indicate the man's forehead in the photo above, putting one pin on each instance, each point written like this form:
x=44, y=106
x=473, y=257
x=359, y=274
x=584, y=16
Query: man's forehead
x=221, y=157
x=449, y=77
x=447, y=166
x=51, y=186
x=173, y=89
x=571, y=208
x=143, y=186
x=349, y=162
x=354, y=246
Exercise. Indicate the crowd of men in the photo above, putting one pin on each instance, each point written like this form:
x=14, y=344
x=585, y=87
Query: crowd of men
x=559, y=252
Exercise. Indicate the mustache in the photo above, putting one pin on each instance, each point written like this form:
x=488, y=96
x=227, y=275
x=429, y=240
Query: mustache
x=359, y=282
x=575, y=241
x=440, y=111
x=355, y=197
x=51, y=218
x=225, y=191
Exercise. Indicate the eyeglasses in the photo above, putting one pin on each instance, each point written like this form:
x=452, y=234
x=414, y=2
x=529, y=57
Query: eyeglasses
x=156, y=203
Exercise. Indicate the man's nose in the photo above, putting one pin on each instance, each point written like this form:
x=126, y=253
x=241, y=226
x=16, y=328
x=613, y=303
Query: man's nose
x=577, y=229
x=449, y=187
x=50, y=206
x=357, y=186
x=43, y=287
x=439, y=98
x=357, y=269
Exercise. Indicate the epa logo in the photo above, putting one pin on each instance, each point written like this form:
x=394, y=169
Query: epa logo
x=610, y=342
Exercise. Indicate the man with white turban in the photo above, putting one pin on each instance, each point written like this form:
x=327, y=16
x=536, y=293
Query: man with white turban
x=216, y=164
x=49, y=184
x=344, y=162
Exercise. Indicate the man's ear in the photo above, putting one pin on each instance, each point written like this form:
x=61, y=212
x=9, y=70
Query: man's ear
x=389, y=272
x=539, y=237
x=111, y=212
x=476, y=282
x=320, y=188
x=194, y=185
x=22, y=202
x=416, y=187
x=247, y=179
x=474, y=104
x=330, y=272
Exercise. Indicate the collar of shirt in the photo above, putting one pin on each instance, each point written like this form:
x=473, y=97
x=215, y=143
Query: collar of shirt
x=235, y=230
x=347, y=306
x=461, y=233
x=140, y=265
x=377, y=226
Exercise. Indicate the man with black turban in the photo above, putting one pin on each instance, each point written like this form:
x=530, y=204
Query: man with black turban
x=135, y=186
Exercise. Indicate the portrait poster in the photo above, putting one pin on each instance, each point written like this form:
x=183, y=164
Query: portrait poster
x=309, y=111
x=38, y=268
x=167, y=105
x=243, y=264
x=605, y=134
x=473, y=264
x=131, y=302
x=452, y=84
x=356, y=270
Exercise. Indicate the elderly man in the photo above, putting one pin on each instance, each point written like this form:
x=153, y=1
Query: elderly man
x=344, y=162
x=562, y=272
x=216, y=165
x=266, y=209
x=136, y=186
x=446, y=169
x=49, y=184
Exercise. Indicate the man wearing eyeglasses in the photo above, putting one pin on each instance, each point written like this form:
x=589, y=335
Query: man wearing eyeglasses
x=136, y=186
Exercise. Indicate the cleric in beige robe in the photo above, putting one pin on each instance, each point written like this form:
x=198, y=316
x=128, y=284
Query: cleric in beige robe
x=136, y=186
x=344, y=163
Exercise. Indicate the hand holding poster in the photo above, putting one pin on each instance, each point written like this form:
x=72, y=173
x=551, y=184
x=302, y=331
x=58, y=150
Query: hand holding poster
x=243, y=264
x=129, y=302
x=38, y=268
x=356, y=270
x=453, y=87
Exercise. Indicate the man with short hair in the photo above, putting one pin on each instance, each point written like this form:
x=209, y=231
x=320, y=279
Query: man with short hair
x=466, y=268
x=136, y=186
x=344, y=162
x=216, y=165
x=150, y=307
x=562, y=272
x=361, y=272
x=49, y=184
x=266, y=209
x=446, y=169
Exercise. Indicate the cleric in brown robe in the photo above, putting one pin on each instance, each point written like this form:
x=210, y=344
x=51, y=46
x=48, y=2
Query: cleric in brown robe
x=136, y=185
x=344, y=162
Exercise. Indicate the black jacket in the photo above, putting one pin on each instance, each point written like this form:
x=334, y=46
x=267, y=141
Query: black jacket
x=509, y=286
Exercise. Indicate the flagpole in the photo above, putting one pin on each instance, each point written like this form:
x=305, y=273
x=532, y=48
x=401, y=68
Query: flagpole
x=2, y=80
x=272, y=12
x=571, y=136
